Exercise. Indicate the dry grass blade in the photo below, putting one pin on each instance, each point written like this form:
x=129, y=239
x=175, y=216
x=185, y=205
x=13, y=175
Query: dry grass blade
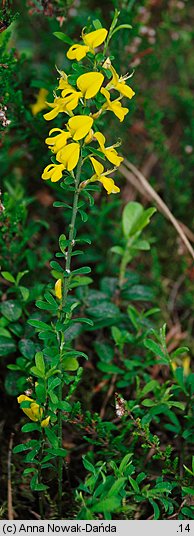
x=137, y=179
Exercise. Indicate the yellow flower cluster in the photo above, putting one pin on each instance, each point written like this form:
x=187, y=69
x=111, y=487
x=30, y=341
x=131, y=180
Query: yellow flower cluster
x=67, y=144
x=34, y=411
x=91, y=41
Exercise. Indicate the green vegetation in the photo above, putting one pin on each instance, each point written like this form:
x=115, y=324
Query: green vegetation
x=96, y=266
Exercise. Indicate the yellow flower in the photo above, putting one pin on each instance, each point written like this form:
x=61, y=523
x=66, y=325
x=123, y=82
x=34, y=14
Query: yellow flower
x=57, y=142
x=91, y=41
x=185, y=364
x=79, y=126
x=69, y=156
x=114, y=106
x=40, y=103
x=109, y=152
x=70, y=99
x=90, y=83
x=108, y=184
x=63, y=82
x=57, y=106
x=58, y=289
x=45, y=422
x=94, y=39
x=77, y=52
x=53, y=172
x=34, y=412
x=119, y=84
x=89, y=137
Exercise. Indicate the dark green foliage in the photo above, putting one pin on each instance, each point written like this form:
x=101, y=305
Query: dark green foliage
x=128, y=385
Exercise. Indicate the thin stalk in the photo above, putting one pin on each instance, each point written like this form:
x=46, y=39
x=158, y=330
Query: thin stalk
x=62, y=338
x=40, y=495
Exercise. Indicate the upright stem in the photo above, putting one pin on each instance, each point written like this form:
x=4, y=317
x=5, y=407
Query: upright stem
x=62, y=337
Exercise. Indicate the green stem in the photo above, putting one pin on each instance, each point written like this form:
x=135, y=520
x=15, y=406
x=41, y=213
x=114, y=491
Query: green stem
x=62, y=338
x=40, y=495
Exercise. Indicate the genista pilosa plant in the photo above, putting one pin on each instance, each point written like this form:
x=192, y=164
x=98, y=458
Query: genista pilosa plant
x=83, y=97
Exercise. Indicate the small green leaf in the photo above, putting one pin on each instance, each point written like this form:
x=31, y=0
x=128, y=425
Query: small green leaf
x=7, y=345
x=188, y=491
x=8, y=277
x=11, y=309
x=84, y=270
x=53, y=439
x=63, y=37
x=154, y=347
x=46, y=306
x=121, y=27
x=31, y=427
x=40, y=364
x=109, y=504
x=41, y=326
x=135, y=218
x=24, y=292
x=36, y=486
x=88, y=465
x=70, y=363
x=62, y=242
x=97, y=24
x=36, y=372
x=116, y=487
x=56, y=266
x=27, y=348
x=156, y=509
x=58, y=452
x=21, y=448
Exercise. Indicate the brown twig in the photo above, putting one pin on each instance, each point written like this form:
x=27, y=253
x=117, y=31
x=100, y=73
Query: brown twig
x=135, y=177
x=9, y=487
x=108, y=396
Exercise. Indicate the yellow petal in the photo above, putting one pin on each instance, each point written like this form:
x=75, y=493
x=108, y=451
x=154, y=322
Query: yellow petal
x=115, y=76
x=24, y=398
x=125, y=90
x=90, y=83
x=58, y=141
x=47, y=172
x=101, y=140
x=118, y=110
x=63, y=82
x=53, y=172
x=52, y=114
x=55, y=130
x=77, y=52
x=109, y=185
x=89, y=137
x=96, y=38
x=52, y=140
x=57, y=173
x=40, y=103
x=79, y=126
x=98, y=168
x=71, y=100
x=113, y=157
x=106, y=93
x=186, y=365
x=30, y=414
x=36, y=410
x=69, y=156
x=58, y=289
x=45, y=422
